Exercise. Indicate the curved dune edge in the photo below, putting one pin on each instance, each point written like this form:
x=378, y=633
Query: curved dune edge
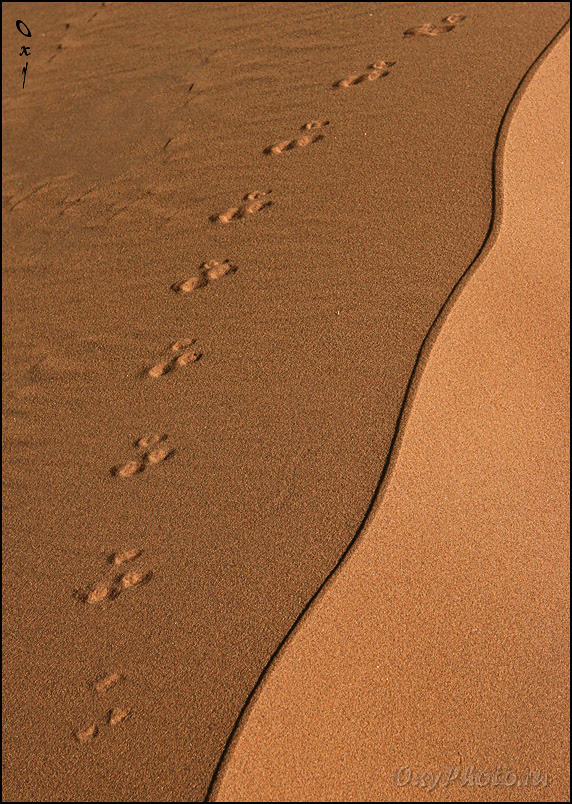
x=440, y=641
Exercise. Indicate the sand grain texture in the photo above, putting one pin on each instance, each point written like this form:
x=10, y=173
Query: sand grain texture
x=138, y=123
x=441, y=641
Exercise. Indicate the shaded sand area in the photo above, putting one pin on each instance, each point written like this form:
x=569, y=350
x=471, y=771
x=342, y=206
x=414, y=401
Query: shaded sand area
x=441, y=643
x=227, y=229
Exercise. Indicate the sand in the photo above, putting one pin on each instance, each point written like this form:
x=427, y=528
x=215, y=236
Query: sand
x=434, y=665
x=129, y=159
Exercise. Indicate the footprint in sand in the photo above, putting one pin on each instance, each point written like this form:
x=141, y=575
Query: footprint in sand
x=208, y=272
x=119, y=558
x=87, y=735
x=153, y=451
x=307, y=138
x=116, y=716
x=110, y=589
x=434, y=29
x=378, y=69
x=104, y=684
x=113, y=717
x=253, y=202
x=179, y=355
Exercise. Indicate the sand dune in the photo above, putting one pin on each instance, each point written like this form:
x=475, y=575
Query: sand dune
x=440, y=645
x=143, y=211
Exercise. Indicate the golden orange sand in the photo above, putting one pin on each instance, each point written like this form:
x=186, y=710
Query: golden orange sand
x=434, y=666
x=139, y=122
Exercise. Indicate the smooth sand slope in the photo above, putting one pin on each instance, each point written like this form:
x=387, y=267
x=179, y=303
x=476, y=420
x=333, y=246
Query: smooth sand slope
x=138, y=122
x=441, y=641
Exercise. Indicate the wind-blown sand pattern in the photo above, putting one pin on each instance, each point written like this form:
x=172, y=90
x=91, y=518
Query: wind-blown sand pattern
x=439, y=645
x=281, y=432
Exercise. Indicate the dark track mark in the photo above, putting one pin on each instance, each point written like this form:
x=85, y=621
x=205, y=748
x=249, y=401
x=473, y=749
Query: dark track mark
x=28, y=195
x=78, y=199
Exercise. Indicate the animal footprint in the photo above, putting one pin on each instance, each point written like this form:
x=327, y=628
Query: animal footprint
x=134, y=578
x=128, y=469
x=434, y=29
x=253, y=202
x=149, y=441
x=179, y=356
x=378, y=69
x=208, y=272
x=300, y=142
x=111, y=589
x=106, y=683
x=113, y=717
x=117, y=559
x=98, y=593
x=87, y=735
x=116, y=716
x=314, y=124
x=154, y=451
x=157, y=455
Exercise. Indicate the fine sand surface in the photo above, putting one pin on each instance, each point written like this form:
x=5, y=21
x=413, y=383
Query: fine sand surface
x=441, y=641
x=146, y=585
